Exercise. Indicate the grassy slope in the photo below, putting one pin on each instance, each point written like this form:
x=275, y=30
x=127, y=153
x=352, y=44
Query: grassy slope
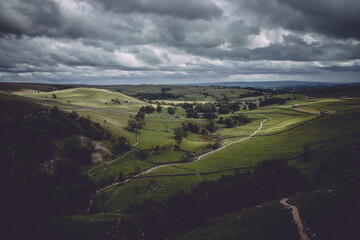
x=190, y=93
x=149, y=139
x=83, y=100
x=125, y=165
x=288, y=144
x=15, y=106
x=97, y=226
x=271, y=221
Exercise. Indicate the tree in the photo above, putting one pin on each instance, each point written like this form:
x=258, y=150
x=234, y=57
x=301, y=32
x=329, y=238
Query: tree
x=224, y=110
x=122, y=145
x=210, y=115
x=221, y=120
x=211, y=127
x=74, y=115
x=149, y=109
x=252, y=106
x=192, y=114
x=234, y=106
x=171, y=110
x=140, y=115
x=179, y=133
x=54, y=96
x=194, y=128
x=229, y=122
x=117, y=101
x=244, y=108
x=132, y=124
x=158, y=108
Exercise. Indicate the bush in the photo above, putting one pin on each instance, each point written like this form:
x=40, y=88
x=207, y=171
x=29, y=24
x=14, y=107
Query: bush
x=229, y=122
x=77, y=151
x=252, y=106
x=211, y=127
x=171, y=110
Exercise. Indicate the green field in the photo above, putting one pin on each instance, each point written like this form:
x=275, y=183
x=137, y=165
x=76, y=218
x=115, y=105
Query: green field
x=317, y=133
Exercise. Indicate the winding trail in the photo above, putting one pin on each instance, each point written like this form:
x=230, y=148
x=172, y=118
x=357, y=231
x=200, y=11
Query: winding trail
x=297, y=219
x=173, y=164
x=250, y=136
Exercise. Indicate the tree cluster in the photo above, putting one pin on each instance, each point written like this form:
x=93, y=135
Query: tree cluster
x=116, y=101
x=139, y=121
x=209, y=110
x=233, y=121
x=272, y=101
x=157, y=96
x=251, y=94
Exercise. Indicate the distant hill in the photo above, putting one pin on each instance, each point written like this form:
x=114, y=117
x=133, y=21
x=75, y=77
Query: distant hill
x=270, y=84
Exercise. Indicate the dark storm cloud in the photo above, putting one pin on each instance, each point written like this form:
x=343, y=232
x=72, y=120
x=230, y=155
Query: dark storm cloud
x=293, y=48
x=187, y=9
x=143, y=40
x=32, y=17
x=335, y=18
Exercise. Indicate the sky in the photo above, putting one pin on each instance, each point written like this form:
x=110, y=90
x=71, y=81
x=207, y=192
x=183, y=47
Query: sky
x=179, y=41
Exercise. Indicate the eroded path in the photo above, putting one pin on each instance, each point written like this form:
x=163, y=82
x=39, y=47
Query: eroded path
x=243, y=139
x=122, y=156
x=297, y=219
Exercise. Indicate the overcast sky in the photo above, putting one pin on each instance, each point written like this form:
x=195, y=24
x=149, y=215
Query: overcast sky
x=179, y=41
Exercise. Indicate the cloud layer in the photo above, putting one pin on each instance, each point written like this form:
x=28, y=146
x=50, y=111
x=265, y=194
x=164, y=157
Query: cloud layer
x=170, y=41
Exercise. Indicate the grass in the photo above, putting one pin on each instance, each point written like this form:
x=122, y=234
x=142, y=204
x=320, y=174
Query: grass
x=85, y=94
x=113, y=122
x=92, y=226
x=155, y=125
x=125, y=165
x=125, y=197
x=194, y=146
x=185, y=93
x=150, y=139
x=199, y=137
x=167, y=156
x=269, y=221
x=14, y=106
x=246, y=129
x=279, y=123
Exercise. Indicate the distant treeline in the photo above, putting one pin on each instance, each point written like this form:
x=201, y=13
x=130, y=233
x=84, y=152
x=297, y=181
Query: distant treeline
x=271, y=101
x=251, y=94
x=156, y=96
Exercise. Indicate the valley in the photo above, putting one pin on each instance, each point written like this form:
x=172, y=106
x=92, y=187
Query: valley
x=161, y=144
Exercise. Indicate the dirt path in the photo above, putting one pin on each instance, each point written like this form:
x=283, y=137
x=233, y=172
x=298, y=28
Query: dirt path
x=173, y=164
x=208, y=153
x=296, y=217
